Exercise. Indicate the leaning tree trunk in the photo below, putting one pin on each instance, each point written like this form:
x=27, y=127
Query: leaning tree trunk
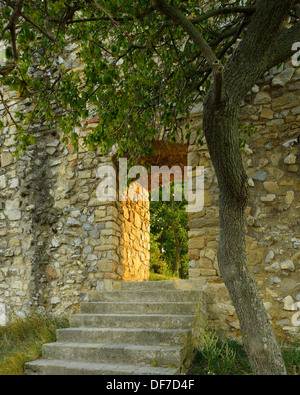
x=221, y=131
x=251, y=58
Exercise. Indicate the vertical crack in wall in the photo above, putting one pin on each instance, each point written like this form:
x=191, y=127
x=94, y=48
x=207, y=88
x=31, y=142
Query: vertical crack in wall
x=38, y=185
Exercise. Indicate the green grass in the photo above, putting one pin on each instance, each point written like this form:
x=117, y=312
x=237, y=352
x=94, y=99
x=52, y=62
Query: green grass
x=22, y=339
x=161, y=277
x=218, y=357
x=291, y=356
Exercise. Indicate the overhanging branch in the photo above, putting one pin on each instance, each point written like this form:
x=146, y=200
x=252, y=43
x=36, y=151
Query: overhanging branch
x=219, y=82
x=46, y=33
x=252, y=56
x=176, y=16
x=13, y=19
x=224, y=11
x=281, y=49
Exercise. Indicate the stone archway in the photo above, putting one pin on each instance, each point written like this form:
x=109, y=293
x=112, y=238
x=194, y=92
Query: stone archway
x=135, y=238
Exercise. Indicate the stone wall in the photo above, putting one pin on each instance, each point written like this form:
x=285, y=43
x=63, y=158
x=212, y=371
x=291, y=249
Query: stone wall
x=58, y=241
x=135, y=249
x=271, y=159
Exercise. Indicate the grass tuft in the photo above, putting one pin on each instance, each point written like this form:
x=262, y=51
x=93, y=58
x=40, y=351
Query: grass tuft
x=216, y=356
x=22, y=339
x=161, y=277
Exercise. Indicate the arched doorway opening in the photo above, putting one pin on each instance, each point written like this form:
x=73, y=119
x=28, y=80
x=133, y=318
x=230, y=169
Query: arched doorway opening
x=154, y=242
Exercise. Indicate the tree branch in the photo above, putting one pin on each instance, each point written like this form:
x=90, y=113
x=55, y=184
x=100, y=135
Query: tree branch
x=5, y=70
x=219, y=83
x=224, y=11
x=281, y=48
x=14, y=43
x=39, y=28
x=120, y=19
x=7, y=109
x=250, y=58
x=176, y=16
x=114, y=22
x=13, y=19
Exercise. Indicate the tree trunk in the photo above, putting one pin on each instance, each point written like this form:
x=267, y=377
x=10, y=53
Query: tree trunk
x=221, y=131
x=257, y=50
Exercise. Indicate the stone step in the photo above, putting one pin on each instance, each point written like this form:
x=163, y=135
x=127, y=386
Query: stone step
x=142, y=329
x=170, y=337
x=139, y=307
x=148, y=285
x=81, y=368
x=133, y=354
x=155, y=321
x=184, y=285
x=146, y=296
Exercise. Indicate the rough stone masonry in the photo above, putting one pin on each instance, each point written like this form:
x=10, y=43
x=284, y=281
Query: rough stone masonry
x=58, y=242
x=271, y=160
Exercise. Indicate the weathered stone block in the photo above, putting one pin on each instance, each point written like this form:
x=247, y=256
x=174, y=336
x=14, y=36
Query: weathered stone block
x=13, y=215
x=267, y=113
x=283, y=78
x=269, y=198
x=197, y=243
x=289, y=198
x=288, y=100
x=290, y=159
x=289, y=304
x=262, y=98
x=2, y=182
x=288, y=265
x=271, y=187
x=6, y=159
x=260, y=176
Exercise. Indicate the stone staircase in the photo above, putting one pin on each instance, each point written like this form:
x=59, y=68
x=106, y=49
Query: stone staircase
x=145, y=328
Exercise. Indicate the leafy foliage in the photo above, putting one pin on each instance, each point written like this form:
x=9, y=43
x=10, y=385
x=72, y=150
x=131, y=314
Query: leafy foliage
x=140, y=70
x=157, y=263
x=169, y=236
x=246, y=131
